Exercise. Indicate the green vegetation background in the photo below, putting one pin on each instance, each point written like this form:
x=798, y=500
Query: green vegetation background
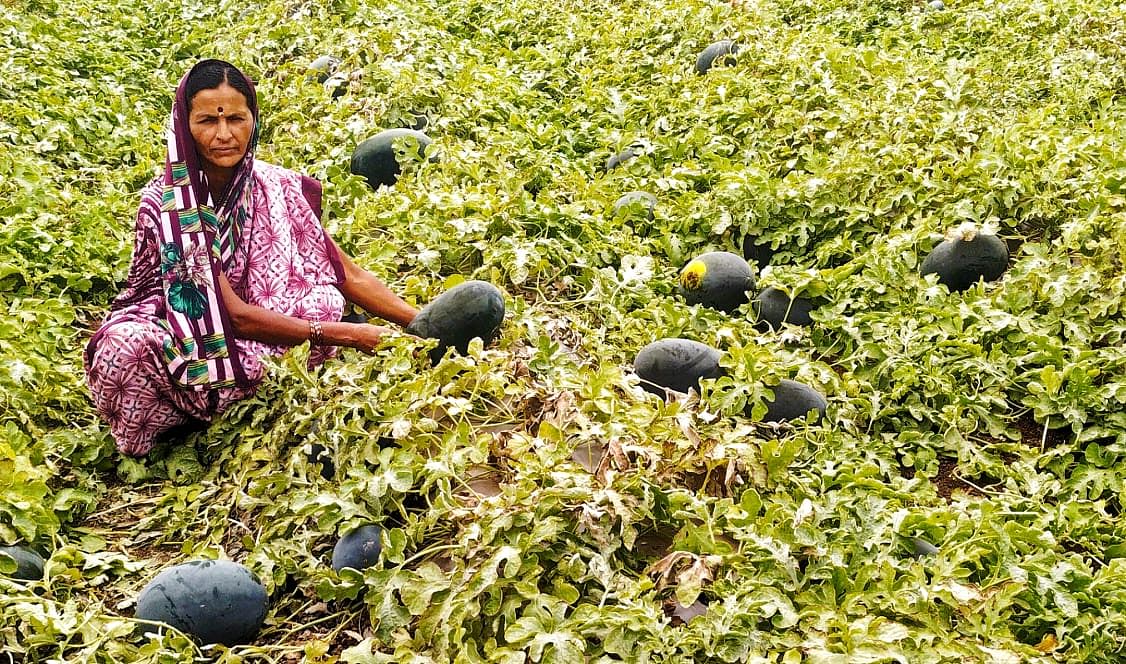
x=849, y=136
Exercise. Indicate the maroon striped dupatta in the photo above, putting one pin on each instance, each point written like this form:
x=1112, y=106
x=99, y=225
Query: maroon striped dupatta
x=198, y=241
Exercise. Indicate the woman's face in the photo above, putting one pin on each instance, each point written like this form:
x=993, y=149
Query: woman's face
x=221, y=124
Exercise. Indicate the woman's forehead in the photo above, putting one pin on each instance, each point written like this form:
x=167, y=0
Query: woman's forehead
x=225, y=96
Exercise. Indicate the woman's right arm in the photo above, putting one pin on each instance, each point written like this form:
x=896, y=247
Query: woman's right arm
x=253, y=322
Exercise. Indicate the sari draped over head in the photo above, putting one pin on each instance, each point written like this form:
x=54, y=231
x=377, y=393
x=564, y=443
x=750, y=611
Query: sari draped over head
x=199, y=238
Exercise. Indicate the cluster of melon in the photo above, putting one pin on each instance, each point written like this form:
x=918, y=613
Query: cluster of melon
x=213, y=601
x=723, y=281
x=219, y=601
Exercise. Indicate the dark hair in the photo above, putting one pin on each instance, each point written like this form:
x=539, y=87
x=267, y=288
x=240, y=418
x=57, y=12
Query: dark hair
x=210, y=74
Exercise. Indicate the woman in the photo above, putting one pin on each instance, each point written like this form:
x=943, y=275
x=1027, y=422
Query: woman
x=230, y=264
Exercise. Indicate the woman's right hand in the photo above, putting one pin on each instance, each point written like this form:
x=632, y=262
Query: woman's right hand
x=367, y=337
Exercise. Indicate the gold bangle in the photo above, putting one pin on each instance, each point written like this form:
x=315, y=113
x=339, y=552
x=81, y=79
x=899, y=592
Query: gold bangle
x=316, y=333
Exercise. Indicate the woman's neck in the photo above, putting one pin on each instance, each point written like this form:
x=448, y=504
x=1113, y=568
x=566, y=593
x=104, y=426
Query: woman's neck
x=217, y=180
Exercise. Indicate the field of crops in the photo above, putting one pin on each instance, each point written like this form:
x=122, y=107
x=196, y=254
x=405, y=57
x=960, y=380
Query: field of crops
x=537, y=504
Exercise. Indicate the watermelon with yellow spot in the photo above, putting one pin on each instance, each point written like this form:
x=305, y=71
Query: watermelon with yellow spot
x=718, y=279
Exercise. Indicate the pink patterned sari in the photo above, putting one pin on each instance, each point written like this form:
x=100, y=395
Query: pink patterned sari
x=166, y=355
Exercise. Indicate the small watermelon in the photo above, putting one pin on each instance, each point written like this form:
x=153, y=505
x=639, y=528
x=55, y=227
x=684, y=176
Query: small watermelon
x=622, y=157
x=722, y=52
x=718, y=279
x=213, y=601
x=468, y=310
x=773, y=307
x=642, y=199
x=676, y=364
x=757, y=251
x=358, y=549
x=792, y=400
x=374, y=159
x=966, y=256
x=923, y=548
x=323, y=67
x=29, y=564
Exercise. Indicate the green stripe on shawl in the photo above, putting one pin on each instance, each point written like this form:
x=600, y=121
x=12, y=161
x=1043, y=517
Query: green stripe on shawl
x=180, y=174
x=196, y=372
x=215, y=346
x=189, y=221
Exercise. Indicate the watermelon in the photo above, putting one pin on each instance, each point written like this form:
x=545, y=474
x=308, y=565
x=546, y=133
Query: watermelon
x=792, y=400
x=468, y=310
x=757, y=251
x=676, y=364
x=966, y=256
x=374, y=159
x=354, y=315
x=717, y=279
x=213, y=601
x=719, y=53
x=923, y=548
x=318, y=453
x=773, y=307
x=642, y=199
x=29, y=564
x=358, y=549
x=616, y=160
x=323, y=67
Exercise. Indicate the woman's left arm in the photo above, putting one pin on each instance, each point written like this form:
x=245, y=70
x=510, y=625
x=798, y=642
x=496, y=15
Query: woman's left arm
x=365, y=289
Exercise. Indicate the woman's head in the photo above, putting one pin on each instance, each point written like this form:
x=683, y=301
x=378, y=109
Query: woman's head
x=222, y=112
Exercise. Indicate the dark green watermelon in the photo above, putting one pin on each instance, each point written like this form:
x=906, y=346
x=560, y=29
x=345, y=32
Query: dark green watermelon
x=630, y=199
x=718, y=279
x=622, y=157
x=29, y=564
x=323, y=67
x=354, y=315
x=757, y=251
x=923, y=548
x=773, y=307
x=374, y=159
x=722, y=52
x=468, y=310
x=966, y=257
x=358, y=549
x=213, y=601
x=676, y=364
x=792, y=400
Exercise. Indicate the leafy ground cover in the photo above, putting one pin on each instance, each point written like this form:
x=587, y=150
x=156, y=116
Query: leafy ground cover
x=537, y=504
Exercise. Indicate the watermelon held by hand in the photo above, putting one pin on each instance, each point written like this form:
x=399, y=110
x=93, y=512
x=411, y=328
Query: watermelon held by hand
x=375, y=159
x=468, y=310
x=717, y=279
x=213, y=601
x=676, y=365
x=966, y=256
